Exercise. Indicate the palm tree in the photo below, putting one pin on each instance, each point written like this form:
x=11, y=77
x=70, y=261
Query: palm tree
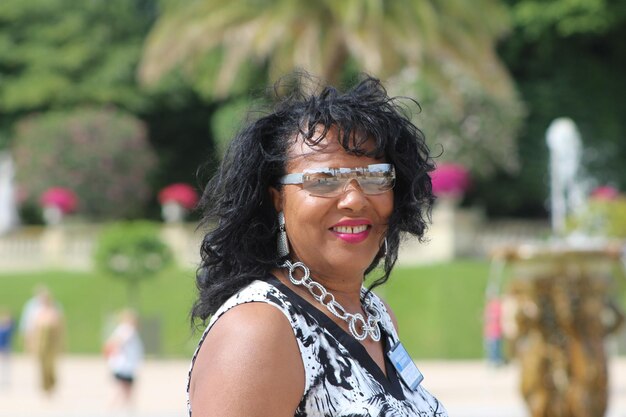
x=321, y=36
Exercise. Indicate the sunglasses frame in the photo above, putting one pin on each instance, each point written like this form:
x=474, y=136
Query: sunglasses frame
x=297, y=178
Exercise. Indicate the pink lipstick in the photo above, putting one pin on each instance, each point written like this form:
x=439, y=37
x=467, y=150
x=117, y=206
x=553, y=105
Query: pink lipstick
x=352, y=230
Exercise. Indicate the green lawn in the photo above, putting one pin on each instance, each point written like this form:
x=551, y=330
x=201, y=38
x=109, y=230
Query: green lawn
x=438, y=307
x=90, y=300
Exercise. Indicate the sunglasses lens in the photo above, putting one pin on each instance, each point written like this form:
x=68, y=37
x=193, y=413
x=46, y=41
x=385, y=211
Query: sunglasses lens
x=376, y=185
x=323, y=186
x=328, y=184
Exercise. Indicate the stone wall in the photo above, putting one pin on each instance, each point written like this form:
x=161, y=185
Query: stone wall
x=454, y=233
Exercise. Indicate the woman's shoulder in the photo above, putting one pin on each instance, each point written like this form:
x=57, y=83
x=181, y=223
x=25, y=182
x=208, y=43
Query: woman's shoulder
x=255, y=311
x=254, y=321
x=258, y=297
x=258, y=300
x=256, y=292
x=249, y=338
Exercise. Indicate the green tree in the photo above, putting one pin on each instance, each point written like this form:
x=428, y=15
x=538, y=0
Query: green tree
x=568, y=58
x=476, y=129
x=323, y=37
x=536, y=18
x=423, y=48
x=59, y=53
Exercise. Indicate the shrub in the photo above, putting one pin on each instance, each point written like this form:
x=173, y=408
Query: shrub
x=102, y=155
x=604, y=215
x=132, y=251
x=465, y=123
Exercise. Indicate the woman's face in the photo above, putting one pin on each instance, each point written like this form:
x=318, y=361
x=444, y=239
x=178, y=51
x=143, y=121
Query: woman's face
x=332, y=234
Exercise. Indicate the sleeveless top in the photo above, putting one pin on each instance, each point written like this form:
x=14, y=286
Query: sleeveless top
x=341, y=379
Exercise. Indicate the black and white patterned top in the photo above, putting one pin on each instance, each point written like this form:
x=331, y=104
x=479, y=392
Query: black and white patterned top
x=341, y=379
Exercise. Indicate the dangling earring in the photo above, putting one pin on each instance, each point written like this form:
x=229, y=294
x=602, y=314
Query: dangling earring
x=283, y=243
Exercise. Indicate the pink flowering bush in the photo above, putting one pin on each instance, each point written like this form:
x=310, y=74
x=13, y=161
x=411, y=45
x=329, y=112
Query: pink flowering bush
x=450, y=180
x=102, y=155
x=604, y=193
x=183, y=194
x=61, y=198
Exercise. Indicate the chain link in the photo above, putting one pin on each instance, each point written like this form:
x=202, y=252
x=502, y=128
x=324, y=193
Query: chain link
x=369, y=327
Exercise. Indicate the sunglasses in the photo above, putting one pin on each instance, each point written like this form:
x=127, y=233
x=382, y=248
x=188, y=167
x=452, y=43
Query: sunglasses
x=331, y=182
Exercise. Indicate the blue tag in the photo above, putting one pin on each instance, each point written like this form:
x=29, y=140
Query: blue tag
x=404, y=365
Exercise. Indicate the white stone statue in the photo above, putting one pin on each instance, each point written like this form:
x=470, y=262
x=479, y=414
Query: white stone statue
x=8, y=209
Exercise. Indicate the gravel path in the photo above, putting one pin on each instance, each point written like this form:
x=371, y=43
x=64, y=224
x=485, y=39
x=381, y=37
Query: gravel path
x=467, y=388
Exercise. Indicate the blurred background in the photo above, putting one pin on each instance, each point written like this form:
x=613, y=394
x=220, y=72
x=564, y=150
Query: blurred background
x=114, y=113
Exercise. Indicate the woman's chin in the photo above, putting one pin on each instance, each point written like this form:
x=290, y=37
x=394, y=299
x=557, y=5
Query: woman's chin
x=351, y=261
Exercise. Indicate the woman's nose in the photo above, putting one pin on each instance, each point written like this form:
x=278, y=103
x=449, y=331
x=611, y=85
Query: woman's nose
x=352, y=197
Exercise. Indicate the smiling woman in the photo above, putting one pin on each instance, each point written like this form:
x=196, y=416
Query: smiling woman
x=308, y=200
x=344, y=223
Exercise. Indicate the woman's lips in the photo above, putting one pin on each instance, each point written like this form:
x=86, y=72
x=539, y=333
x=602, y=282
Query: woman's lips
x=352, y=233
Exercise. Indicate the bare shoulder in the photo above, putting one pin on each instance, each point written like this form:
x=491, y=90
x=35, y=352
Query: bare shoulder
x=248, y=365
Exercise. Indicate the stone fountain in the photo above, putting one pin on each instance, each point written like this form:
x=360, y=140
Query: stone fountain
x=558, y=299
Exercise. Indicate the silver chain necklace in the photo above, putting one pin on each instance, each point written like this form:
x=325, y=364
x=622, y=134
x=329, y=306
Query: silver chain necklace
x=369, y=327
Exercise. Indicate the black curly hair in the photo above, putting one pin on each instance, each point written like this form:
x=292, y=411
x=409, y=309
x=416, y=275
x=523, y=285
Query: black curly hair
x=241, y=247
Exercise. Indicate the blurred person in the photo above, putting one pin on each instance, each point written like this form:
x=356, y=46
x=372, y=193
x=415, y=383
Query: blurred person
x=7, y=326
x=29, y=313
x=309, y=199
x=124, y=352
x=47, y=339
x=493, y=332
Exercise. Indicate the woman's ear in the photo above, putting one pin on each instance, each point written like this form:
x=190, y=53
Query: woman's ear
x=277, y=198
